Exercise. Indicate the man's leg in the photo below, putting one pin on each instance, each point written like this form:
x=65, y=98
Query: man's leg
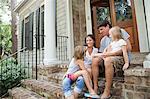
x=109, y=73
x=79, y=86
x=95, y=72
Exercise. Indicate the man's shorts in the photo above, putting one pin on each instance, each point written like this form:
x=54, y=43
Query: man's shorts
x=118, y=62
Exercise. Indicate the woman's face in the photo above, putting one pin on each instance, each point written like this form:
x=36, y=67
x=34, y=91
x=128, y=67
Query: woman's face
x=89, y=42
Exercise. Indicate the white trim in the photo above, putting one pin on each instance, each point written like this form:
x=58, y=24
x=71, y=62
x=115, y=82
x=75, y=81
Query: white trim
x=88, y=17
x=70, y=28
x=141, y=26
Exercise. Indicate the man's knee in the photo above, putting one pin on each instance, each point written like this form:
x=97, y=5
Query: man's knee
x=108, y=63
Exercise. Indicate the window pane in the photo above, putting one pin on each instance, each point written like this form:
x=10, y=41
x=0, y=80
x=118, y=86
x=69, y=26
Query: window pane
x=102, y=14
x=123, y=10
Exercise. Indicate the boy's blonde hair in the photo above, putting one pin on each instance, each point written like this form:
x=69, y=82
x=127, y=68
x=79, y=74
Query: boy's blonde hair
x=116, y=33
x=79, y=52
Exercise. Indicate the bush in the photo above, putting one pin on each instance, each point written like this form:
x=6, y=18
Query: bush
x=11, y=74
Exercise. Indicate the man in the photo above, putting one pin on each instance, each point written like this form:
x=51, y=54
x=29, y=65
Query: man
x=109, y=71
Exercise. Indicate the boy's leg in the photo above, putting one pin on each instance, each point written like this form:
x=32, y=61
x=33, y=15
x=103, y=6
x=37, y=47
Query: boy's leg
x=79, y=86
x=67, y=88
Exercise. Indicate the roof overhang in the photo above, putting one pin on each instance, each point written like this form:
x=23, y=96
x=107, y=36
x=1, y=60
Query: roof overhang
x=20, y=5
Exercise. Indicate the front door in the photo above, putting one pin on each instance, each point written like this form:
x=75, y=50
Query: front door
x=118, y=12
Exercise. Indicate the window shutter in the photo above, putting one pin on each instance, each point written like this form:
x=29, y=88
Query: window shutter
x=30, y=44
x=22, y=34
x=38, y=28
x=42, y=27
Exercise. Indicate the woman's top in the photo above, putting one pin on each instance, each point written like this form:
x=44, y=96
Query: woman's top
x=88, y=57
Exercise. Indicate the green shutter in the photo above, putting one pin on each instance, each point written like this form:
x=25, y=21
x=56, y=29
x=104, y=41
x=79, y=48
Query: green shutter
x=22, y=34
x=30, y=44
x=38, y=28
x=42, y=28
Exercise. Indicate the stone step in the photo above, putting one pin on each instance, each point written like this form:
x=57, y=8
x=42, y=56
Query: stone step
x=45, y=70
x=137, y=59
x=22, y=93
x=54, y=77
x=46, y=89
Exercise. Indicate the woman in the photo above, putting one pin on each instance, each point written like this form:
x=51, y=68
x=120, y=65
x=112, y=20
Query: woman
x=90, y=51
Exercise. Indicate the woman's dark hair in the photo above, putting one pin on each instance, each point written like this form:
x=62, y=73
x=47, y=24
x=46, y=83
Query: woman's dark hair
x=91, y=36
x=105, y=23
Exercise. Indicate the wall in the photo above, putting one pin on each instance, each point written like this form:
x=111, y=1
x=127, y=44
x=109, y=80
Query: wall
x=79, y=21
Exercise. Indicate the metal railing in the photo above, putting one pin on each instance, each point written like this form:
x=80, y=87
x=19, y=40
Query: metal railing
x=62, y=48
x=13, y=70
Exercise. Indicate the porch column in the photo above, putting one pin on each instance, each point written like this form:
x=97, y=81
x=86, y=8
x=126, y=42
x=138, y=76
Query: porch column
x=146, y=63
x=50, y=33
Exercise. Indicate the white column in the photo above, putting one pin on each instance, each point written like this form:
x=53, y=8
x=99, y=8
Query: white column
x=146, y=63
x=69, y=28
x=50, y=33
x=141, y=25
x=88, y=17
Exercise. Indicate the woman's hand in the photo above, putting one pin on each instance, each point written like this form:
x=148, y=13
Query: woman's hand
x=125, y=66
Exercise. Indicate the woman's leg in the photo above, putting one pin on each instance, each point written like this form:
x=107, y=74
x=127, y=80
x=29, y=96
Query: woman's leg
x=87, y=79
x=95, y=71
x=90, y=72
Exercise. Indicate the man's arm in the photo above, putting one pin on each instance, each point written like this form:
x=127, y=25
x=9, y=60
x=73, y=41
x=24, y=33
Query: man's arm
x=129, y=47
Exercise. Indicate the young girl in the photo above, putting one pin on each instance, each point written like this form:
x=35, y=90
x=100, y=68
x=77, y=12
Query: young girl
x=76, y=69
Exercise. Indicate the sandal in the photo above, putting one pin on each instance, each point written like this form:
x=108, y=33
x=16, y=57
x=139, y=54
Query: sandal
x=93, y=96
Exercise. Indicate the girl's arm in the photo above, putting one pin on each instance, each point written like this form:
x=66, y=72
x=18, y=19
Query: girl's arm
x=80, y=63
x=125, y=56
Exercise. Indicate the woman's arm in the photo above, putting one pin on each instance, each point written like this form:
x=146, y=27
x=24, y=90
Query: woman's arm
x=125, y=56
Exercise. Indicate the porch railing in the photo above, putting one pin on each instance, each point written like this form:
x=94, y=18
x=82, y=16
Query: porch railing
x=62, y=48
x=13, y=69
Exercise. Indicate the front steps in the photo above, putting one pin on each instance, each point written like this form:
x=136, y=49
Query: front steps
x=22, y=93
x=49, y=83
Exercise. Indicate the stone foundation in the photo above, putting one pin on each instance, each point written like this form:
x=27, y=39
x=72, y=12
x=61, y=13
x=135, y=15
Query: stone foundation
x=137, y=84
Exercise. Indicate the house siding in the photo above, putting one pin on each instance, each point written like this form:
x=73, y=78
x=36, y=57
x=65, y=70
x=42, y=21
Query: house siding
x=27, y=57
x=30, y=55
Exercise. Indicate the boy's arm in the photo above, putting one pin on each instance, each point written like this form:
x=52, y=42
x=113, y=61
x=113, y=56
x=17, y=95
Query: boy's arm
x=125, y=56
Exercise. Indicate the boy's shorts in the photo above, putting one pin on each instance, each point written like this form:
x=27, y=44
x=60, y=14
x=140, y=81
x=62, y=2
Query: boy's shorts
x=118, y=62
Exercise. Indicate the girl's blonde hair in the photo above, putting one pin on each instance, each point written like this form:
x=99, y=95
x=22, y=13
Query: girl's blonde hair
x=116, y=33
x=79, y=52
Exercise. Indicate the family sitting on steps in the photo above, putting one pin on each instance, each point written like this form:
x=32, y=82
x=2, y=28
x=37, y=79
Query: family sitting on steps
x=114, y=52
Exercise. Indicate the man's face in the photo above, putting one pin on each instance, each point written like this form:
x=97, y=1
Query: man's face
x=104, y=30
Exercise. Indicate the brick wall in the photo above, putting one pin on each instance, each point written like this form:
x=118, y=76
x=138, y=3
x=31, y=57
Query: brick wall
x=137, y=84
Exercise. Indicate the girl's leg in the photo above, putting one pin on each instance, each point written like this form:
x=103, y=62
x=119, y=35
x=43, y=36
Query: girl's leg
x=87, y=79
x=79, y=86
x=67, y=88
